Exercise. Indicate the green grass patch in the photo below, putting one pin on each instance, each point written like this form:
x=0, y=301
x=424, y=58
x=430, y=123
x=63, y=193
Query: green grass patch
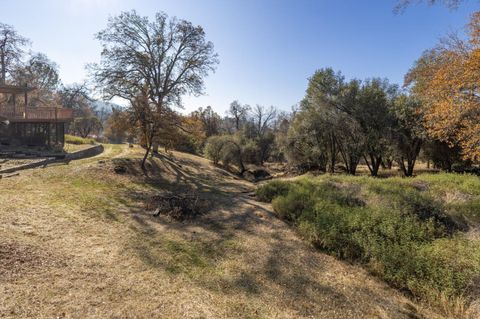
x=409, y=232
x=77, y=140
x=196, y=258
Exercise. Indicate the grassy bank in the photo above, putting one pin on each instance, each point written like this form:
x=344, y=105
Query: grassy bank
x=77, y=140
x=81, y=242
x=416, y=234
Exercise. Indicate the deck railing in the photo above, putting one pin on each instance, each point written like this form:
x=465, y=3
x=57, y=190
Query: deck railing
x=35, y=113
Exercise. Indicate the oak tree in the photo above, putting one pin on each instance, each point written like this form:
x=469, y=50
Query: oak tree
x=447, y=81
x=152, y=64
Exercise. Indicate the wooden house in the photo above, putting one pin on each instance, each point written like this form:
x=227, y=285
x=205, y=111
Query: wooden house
x=25, y=126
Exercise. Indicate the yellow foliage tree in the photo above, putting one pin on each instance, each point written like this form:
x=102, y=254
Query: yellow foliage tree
x=447, y=79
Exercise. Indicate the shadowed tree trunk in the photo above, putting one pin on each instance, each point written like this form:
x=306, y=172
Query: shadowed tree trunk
x=374, y=164
x=410, y=158
x=333, y=152
x=149, y=139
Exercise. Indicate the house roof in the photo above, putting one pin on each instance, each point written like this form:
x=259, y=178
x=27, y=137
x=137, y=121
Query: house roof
x=15, y=89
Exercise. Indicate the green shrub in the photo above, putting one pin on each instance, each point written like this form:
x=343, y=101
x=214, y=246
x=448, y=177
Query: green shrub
x=295, y=202
x=72, y=139
x=401, y=230
x=251, y=152
x=271, y=190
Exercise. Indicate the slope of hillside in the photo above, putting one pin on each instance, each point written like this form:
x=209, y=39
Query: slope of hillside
x=76, y=241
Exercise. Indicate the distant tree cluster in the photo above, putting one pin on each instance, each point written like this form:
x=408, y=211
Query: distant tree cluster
x=246, y=136
x=348, y=122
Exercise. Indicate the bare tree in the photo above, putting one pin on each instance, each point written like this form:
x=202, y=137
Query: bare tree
x=451, y=4
x=11, y=50
x=164, y=58
x=262, y=118
x=39, y=72
x=239, y=113
x=77, y=97
x=84, y=126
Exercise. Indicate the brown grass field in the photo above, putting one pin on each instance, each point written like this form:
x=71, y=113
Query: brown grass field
x=77, y=242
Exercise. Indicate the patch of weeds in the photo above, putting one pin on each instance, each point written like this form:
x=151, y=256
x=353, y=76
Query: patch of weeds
x=271, y=190
x=398, y=229
x=196, y=258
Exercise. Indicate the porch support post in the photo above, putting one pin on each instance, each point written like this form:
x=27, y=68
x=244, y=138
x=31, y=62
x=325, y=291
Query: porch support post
x=14, y=104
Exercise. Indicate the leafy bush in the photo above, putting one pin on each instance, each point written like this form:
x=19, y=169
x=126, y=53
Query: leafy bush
x=72, y=139
x=401, y=230
x=251, y=152
x=225, y=148
x=273, y=189
x=213, y=148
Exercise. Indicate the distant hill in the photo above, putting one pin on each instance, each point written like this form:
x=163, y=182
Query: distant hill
x=104, y=109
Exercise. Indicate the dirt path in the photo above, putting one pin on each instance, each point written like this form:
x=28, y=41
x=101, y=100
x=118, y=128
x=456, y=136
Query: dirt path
x=77, y=242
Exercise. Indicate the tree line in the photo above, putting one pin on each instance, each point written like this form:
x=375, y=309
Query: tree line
x=340, y=123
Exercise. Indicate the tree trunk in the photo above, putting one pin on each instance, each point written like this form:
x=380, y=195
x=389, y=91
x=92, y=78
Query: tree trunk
x=374, y=164
x=407, y=170
x=352, y=166
x=344, y=158
x=332, y=165
x=148, y=141
x=411, y=164
x=4, y=71
x=352, y=170
x=155, y=147
x=240, y=162
x=402, y=166
x=333, y=154
x=376, y=161
x=242, y=167
x=146, y=155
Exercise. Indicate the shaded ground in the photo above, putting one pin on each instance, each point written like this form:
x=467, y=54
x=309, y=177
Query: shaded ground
x=77, y=242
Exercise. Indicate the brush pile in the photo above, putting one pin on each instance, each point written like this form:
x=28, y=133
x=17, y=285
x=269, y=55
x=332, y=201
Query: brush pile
x=179, y=207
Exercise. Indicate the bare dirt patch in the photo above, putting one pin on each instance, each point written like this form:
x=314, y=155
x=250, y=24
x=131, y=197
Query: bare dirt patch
x=17, y=259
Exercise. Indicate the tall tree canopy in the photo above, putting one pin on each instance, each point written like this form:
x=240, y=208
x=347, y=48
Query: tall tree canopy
x=447, y=79
x=11, y=50
x=159, y=60
x=239, y=113
x=41, y=73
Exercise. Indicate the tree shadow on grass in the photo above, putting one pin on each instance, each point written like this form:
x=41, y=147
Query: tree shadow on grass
x=235, y=249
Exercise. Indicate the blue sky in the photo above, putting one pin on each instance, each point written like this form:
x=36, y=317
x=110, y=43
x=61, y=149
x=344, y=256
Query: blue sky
x=267, y=48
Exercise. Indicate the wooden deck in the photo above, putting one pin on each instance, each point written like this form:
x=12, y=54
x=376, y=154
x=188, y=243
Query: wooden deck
x=37, y=114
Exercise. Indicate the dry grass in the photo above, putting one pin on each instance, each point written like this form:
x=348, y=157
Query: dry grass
x=70, y=148
x=83, y=246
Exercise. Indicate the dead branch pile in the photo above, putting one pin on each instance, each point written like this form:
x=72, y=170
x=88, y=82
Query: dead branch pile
x=179, y=207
